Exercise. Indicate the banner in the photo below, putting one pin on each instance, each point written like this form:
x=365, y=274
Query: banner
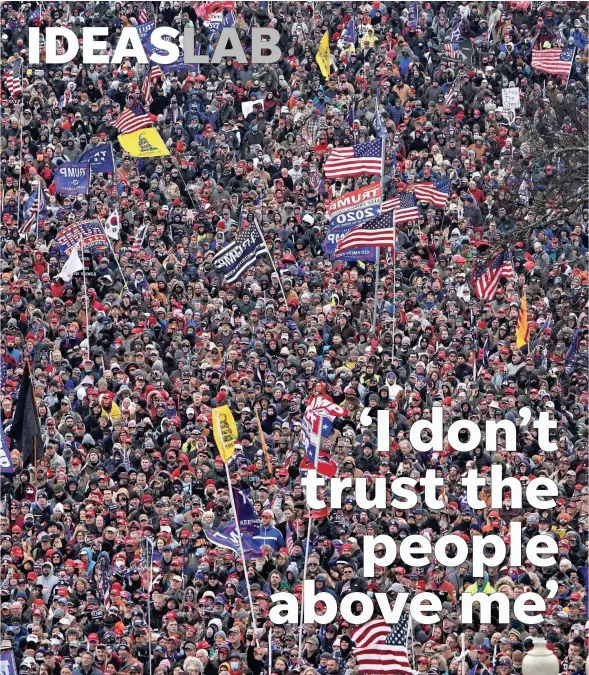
x=144, y=143
x=89, y=232
x=247, y=517
x=72, y=179
x=355, y=208
x=224, y=431
x=100, y=158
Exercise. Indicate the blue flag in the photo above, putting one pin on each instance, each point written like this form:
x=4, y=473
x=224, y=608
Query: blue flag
x=36, y=203
x=6, y=465
x=227, y=537
x=412, y=15
x=7, y=663
x=100, y=158
x=228, y=20
x=72, y=179
x=249, y=522
x=145, y=30
x=350, y=32
x=88, y=232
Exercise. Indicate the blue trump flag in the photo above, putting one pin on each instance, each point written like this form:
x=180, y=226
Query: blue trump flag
x=146, y=29
x=350, y=32
x=228, y=20
x=412, y=15
x=249, y=522
x=72, y=179
x=227, y=537
x=6, y=465
x=100, y=158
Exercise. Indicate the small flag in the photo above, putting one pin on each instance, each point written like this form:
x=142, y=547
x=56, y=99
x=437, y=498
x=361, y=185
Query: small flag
x=486, y=278
x=364, y=158
x=376, y=232
x=350, y=32
x=224, y=431
x=138, y=241
x=112, y=226
x=72, y=265
x=142, y=18
x=128, y=122
x=155, y=73
x=412, y=15
x=13, y=77
x=433, y=193
x=289, y=539
x=323, y=56
x=522, y=331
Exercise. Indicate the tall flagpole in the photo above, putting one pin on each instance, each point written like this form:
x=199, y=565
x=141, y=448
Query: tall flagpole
x=394, y=281
x=272, y=261
x=242, y=553
x=20, y=154
x=38, y=206
x=377, y=262
x=85, y=294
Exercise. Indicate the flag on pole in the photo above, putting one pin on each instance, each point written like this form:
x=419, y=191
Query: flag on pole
x=238, y=256
x=376, y=232
x=138, y=241
x=142, y=18
x=289, y=539
x=13, y=77
x=155, y=73
x=112, y=226
x=358, y=160
x=412, y=14
x=89, y=232
x=554, y=61
x=522, y=331
x=100, y=157
x=25, y=430
x=72, y=265
x=381, y=649
x=35, y=208
x=224, y=431
x=128, y=122
x=323, y=56
x=436, y=193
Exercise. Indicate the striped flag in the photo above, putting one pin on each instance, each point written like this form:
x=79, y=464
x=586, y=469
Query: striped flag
x=555, y=61
x=380, y=648
x=12, y=79
x=376, y=232
x=35, y=207
x=451, y=50
x=487, y=277
x=238, y=256
x=364, y=158
x=138, y=241
x=155, y=72
x=405, y=206
x=142, y=18
x=128, y=122
x=436, y=193
x=289, y=539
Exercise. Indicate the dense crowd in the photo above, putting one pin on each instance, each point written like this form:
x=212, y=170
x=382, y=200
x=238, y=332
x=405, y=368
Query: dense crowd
x=125, y=390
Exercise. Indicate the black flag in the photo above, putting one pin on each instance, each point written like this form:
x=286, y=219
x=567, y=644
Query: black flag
x=25, y=430
x=236, y=258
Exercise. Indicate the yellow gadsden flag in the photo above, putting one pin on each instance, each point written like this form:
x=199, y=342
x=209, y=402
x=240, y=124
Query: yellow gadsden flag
x=224, y=431
x=144, y=143
x=522, y=331
x=323, y=57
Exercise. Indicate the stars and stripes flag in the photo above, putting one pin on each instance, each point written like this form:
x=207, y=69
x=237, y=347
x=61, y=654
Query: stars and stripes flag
x=289, y=539
x=138, y=241
x=451, y=49
x=128, y=122
x=404, y=205
x=238, y=256
x=436, y=193
x=555, y=61
x=142, y=18
x=364, y=158
x=378, y=232
x=12, y=79
x=155, y=73
x=380, y=648
x=35, y=207
x=487, y=277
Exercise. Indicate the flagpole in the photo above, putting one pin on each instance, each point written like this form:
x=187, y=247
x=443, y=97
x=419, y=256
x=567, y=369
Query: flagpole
x=264, y=446
x=272, y=261
x=377, y=275
x=20, y=155
x=308, y=544
x=394, y=281
x=247, y=581
x=114, y=255
x=85, y=294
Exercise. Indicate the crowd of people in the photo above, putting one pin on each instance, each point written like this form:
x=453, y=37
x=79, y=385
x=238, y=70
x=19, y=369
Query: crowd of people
x=129, y=358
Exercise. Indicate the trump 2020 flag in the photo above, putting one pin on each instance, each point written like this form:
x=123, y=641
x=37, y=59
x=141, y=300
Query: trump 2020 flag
x=100, y=158
x=72, y=179
x=240, y=254
x=247, y=517
x=88, y=232
x=227, y=537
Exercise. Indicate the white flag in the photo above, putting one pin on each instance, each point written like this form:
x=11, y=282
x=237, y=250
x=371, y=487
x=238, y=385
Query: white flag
x=72, y=265
x=112, y=226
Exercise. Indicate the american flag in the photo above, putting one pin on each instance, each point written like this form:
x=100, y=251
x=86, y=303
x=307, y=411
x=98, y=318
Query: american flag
x=380, y=648
x=289, y=539
x=436, y=193
x=142, y=15
x=155, y=72
x=364, y=158
x=405, y=206
x=555, y=61
x=128, y=122
x=376, y=232
x=487, y=277
x=138, y=241
x=451, y=50
x=35, y=207
x=12, y=79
